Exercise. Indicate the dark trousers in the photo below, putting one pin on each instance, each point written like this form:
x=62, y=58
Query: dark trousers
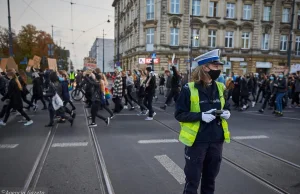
x=148, y=103
x=36, y=98
x=20, y=110
x=118, y=104
x=69, y=101
x=129, y=94
x=202, y=161
x=3, y=110
x=261, y=90
x=127, y=100
x=296, y=98
x=24, y=98
x=244, y=100
x=107, y=109
x=267, y=98
x=60, y=112
x=94, y=111
x=174, y=93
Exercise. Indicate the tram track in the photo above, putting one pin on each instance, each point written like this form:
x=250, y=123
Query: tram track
x=103, y=176
x=239, y=167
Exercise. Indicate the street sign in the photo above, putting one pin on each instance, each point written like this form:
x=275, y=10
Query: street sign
x=149, y=60
x=153, y=56
x=141, y=61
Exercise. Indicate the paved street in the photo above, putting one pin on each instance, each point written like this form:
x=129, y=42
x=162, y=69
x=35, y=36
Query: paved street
x=133, y=156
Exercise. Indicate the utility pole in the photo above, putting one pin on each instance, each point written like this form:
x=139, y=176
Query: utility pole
x=191, y=49
x=51, y=45
x=118, y=34
x=103, y=52
x=291, y=37
x=9, y=31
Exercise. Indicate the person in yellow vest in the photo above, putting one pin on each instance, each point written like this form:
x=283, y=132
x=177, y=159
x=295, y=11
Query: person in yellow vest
x=202, y=112
x=72, y=77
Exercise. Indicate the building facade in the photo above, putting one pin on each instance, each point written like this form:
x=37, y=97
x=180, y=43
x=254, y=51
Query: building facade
x=96, y=52
x=253, y=35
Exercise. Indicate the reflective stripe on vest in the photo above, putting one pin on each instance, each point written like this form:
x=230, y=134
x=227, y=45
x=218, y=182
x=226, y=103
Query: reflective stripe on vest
x=189, y=130
x=72, y=75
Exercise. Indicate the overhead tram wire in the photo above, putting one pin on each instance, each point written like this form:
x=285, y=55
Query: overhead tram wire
x=89, y=30
x=23, y=13
x=36, y=12
x=89, y=6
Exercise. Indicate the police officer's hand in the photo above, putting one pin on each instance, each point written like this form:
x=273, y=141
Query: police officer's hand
x=226, y=114
x=207, y=116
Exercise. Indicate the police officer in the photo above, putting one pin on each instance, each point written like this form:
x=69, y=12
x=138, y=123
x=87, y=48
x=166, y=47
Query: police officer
x=202, y=112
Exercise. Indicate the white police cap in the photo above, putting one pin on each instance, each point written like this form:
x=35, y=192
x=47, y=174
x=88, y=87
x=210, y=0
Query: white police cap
x=209, y=57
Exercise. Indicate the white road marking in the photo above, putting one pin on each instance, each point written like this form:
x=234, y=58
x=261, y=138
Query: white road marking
x=291, y=118
x=250, y=137
x=172, y=168
x=73, y=144
x=8, y=146
x=158, y=141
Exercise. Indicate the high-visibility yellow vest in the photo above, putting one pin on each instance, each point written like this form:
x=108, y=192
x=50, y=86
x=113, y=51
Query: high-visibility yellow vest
x=189, y=130
x=72, y=75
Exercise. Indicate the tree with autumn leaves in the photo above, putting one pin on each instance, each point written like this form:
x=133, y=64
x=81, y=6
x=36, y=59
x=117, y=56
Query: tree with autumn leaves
x=28, y=42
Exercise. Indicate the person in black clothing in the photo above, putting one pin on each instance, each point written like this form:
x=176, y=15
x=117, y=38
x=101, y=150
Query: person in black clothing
x=66, y=96
x=14, y=99
x=161, y=84
x=88, y=91
x=140, y=92
x=98, y=99
x=245, y=88
x=37, y=91
x=55, y=88
x=175, y=88
x=150, y=92
x=252, y=86
x=236, y=92
x=262, y=86
x=24, y=91
x=269, y=86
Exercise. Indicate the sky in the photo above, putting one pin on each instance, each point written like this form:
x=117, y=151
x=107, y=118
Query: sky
x=87, y=15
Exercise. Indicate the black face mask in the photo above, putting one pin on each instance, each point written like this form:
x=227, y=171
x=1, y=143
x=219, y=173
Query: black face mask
x=214, y=74
x=248, y=77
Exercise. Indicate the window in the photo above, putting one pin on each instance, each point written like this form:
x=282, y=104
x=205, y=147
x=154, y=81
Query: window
x=150, y=9
x=283, y=42
x=229, y=40
x=297, y=46
x=230, y=10
x=265, y=42
x=150, y=36
x=247, y=12
x=175, y=6
x=267, y=14
x=212, y=38
x=174, y=37
x=285, y=15
x=196, y=7
x=196, y=38
x=246, y=40
x=298, y=20
x=212, y=12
